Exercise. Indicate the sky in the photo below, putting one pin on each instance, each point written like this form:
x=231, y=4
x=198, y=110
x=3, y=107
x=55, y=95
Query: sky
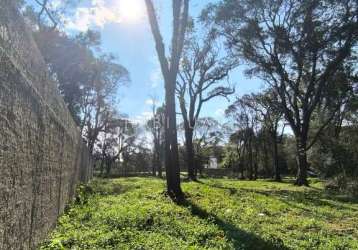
x=126, y=33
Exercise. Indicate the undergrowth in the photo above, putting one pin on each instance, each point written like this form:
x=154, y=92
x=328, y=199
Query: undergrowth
x=133, y=213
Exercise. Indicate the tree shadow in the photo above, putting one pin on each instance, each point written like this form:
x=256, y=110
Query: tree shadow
x=104, y=188
x=313, y=196
x=241, y=239
x=231, y=190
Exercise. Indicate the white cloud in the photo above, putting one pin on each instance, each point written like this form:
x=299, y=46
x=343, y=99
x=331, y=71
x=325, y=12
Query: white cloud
x=150, y=102
x=102, y=12
x=156, y=77
x=55, y=4
x=220, y=113
x=143, y=118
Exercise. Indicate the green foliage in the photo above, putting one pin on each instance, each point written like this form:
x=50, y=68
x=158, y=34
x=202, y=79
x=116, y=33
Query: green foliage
x=231, y=158
x=133, y=213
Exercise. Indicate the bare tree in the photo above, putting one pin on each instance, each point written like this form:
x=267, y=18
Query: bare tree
x=170, y=70
x=203, y=69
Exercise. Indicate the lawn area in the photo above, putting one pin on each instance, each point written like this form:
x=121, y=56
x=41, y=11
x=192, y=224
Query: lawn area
x=133, y=213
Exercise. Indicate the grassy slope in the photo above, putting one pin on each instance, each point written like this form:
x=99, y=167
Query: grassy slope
x=132, y=213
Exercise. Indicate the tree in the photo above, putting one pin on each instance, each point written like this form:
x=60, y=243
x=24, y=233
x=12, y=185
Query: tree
x=48, y=14
x=107, y=146
x=269, y=115
x=203, y=67
x=333, y=154
x=170, y=71
x=208, y=134
x=101, y=97
x=116, y=141
x=88, y=84
x=156, y=126
x=296, y=47
x=74, y=78
x=247, y=121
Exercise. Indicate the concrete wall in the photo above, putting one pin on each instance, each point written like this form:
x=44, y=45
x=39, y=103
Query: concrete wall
x=42, y=156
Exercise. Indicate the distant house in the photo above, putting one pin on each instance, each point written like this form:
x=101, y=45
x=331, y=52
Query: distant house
x=213, y=163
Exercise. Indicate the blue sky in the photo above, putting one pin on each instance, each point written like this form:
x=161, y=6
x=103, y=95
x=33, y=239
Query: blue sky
x=126, y=33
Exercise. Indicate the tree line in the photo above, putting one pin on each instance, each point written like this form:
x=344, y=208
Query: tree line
x=305, y=114
x=305, y=54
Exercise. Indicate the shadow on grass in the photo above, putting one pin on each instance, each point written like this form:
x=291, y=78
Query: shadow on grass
x=312, y=197
x=217, y=185
x=241, y=239
x=104, y=188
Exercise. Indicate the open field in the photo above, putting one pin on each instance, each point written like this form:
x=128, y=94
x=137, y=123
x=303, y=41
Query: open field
x=133, y=213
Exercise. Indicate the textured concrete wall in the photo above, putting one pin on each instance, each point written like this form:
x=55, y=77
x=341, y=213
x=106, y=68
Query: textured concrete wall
x=42, y=156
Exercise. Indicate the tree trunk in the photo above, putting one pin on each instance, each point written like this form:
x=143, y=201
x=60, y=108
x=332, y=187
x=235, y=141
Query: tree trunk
x=160, y=160
x=159, y=152
x=160, y=175
x=102, y=167
x=255, y=170
x=275, y=158
x=171, y=143
x=243, y=162
x=267, y=171
x=154, y=160
x=242, y=171
x=256, y=161
x=108, y=167
x=170, y=71
x=301, y=163
x=250, y=161
x=190, y=153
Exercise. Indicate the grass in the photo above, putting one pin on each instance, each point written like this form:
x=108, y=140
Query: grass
x=133, y=213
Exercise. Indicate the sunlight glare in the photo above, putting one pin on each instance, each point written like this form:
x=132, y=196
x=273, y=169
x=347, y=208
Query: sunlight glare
x=132, y=10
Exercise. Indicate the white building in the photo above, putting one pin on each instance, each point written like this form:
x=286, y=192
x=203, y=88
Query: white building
x=213, y=163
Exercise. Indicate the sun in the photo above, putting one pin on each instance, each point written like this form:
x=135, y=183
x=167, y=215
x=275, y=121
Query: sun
x=132, y=10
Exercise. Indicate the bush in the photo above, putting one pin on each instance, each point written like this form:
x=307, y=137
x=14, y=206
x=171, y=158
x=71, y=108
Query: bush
x=343, y=184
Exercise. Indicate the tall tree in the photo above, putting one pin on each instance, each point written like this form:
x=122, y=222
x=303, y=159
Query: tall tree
x=170, y=70
x=74, y=78
x=203, y=69
x=269, y=115
x=88, y=83
x=156, y=127
x=105, y=80
x=296, y=47
x=247, y=122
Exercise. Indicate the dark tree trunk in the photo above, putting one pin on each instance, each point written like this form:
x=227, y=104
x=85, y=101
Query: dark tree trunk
x=108, y=167
x=243, y=162
x=277, y=176
x=171, y=143
x=102, y=166
x=301, y=163
x=159, y=152
x=190, y=153
x=267, y=171
x=255, y=170
x=242, y=171
x=250, y=161
x=170, y=71
x=256, y=163
x=160, y=161
x=154, y=163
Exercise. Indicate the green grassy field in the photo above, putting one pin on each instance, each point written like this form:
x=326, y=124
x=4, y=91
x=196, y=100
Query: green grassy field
x=133, y=213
